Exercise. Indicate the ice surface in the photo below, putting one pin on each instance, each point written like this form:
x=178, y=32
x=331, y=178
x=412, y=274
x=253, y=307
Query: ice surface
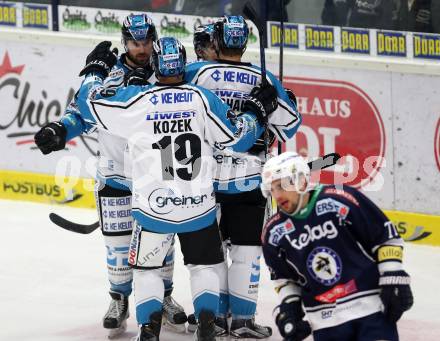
x=54, y=285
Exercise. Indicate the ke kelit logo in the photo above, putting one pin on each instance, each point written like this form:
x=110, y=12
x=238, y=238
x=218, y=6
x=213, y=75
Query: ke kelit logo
x=437, y=144
x=22, y=116
x=324, y=265
x=339, y=117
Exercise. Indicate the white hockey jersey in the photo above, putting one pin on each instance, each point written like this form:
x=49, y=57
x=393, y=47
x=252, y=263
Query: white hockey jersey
x=232, y=82
x=171, y=131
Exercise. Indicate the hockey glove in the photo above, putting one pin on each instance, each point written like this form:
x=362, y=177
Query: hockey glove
x=262, y=101
x=51, y=137
x=289, y=320
x=100, y=60
x=395, y=294
x=137, y=76
x=259, y=146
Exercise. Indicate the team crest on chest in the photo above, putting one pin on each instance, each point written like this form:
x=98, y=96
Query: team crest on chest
x=324, y=265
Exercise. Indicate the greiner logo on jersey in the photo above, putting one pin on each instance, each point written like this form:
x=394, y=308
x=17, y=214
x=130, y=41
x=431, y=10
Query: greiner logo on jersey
x=326, y=230
x=330, y=205
x=280, y=230
x=165, y=200
x=324, y=265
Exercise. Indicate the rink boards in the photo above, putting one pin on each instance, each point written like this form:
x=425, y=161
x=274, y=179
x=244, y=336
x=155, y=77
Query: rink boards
x=382, y=115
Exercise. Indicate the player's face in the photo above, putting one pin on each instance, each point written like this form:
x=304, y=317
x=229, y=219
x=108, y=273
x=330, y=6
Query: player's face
x=140, y=51
x=286, y=194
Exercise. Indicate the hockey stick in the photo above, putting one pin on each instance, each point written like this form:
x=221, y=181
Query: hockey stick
x=325, y=161
x=251, y=14
x=320, y=163
x=71, y=226
x=281, y=40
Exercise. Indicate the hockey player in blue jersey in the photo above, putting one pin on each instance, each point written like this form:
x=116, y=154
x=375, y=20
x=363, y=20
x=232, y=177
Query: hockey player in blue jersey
x=114, y=193
x=171, y=128
x=333, y=251
x=237, y=178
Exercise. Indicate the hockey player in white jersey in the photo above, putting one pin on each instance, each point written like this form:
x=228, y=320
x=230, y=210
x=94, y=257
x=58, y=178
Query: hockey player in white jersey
x=114, y=193
x=171, y=129
x=238, y=175
x=203, y=44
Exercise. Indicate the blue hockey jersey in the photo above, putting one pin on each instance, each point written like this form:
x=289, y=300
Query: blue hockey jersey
x=328, y=253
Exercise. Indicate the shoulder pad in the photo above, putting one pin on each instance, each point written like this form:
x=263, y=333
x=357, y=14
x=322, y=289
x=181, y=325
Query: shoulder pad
x=342, y=193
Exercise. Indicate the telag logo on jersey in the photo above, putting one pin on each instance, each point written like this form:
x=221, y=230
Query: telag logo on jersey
x=324, y=265
x=330, y=205
x=216, y=75
x=326, y=230
x=279, y=231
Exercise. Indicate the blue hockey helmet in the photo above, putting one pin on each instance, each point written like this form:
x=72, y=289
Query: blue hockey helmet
x=138, y=27
x=231, y=32
x=169, y=57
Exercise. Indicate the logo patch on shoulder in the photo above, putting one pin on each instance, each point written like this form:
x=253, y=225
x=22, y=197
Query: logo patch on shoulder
x=324, y=265
x=330, y=205
x=278, y=231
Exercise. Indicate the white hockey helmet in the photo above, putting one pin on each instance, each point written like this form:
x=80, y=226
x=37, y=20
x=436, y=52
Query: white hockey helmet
x=288, y=165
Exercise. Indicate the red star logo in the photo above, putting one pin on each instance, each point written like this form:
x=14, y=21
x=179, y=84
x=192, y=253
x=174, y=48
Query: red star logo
x=6, y=67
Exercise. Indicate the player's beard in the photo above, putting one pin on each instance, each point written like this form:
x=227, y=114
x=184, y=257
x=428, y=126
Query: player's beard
x=140, y=59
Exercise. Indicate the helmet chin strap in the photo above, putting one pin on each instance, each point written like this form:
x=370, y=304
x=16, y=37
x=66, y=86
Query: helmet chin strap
x=298, y=205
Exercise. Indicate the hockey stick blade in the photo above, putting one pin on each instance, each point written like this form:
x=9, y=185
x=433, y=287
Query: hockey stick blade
x=71, y=226
x=325, y=161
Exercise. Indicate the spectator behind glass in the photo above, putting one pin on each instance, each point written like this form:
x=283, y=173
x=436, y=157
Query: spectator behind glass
x=380, y=14
x=424, y=16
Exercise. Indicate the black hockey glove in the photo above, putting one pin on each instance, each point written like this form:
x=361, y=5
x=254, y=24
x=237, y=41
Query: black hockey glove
x=51, y=137
x=262, y=101
x=101, y=59
x=290, y=321
x=137, y=76
x=291, y=95
x=395, y=294
x=259, y=145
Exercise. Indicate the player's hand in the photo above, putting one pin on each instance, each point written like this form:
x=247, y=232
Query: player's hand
x=137, y=76
x=289, y=320
x=51, y=137
x=262, y=101
x=395, y=294
x=101, y=59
